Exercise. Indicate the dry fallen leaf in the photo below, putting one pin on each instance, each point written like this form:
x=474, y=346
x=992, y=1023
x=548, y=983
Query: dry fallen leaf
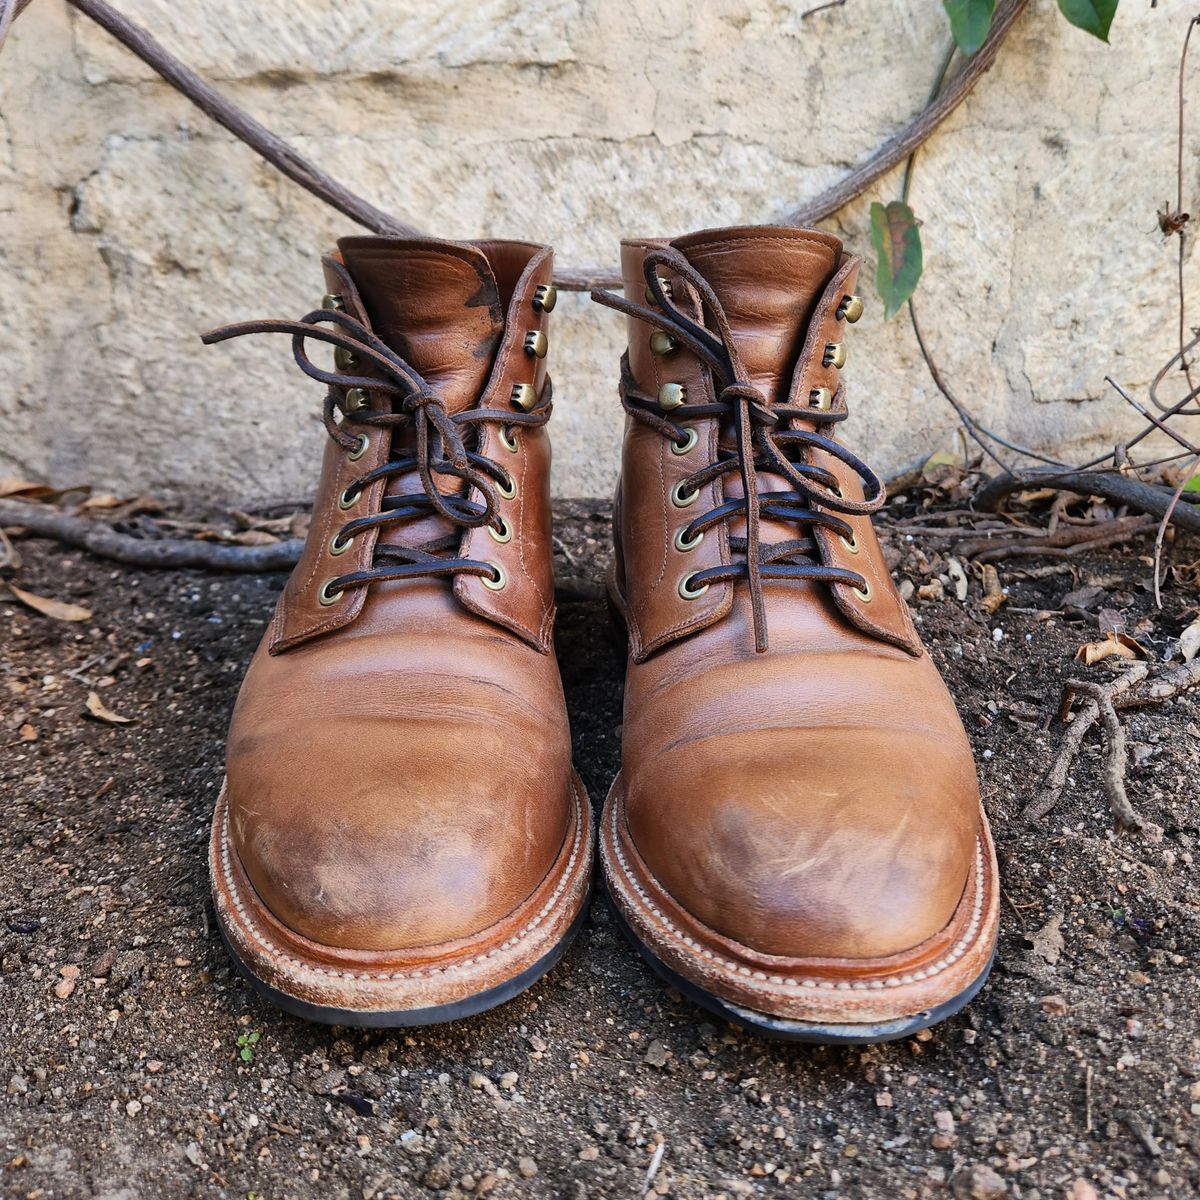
x=98, y=710
x=1119, y=644
x=8, y=552
x=1189, y=642
x=1054, y=1006
x=993, y=593
x=250, y=537
x=1038, y=496
x=60, y=610
x=24, y=488
x=104, y=500
x=955, y=570
x=1048, y=942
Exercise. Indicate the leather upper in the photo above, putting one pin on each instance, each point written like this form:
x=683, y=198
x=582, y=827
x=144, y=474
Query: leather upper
x=781, y=289
x=459, y=314
x=818, y=799
x=398, y=765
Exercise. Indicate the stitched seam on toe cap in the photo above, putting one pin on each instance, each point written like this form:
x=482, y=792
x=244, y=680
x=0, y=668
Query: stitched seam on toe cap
x=247, y=923
x=805, y=983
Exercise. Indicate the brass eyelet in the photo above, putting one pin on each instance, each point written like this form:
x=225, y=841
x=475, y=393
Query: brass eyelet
x=835, y=489
x=651, y=298
x=689, y=440
x=662, y=343
x=687, y=591
x=835, y=355
x=329, y=300
x=545, y=297
x=682, y=498
x=508, y=439
x=536, y=344
x=357, y=399
x=349, y=498
x=503, y=534
x=672, y=395
x=524, y=396
x=363, y=443
x=326, y=597
x=821, y=398
x=850, y=309
x=681, y=542
x=344, y=359
x=509, y=493
x=864, y=593
x=851, y=543
x=497, y=581
x=339, y=545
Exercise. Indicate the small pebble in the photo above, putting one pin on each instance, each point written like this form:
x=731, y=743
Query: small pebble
x=656, y=1054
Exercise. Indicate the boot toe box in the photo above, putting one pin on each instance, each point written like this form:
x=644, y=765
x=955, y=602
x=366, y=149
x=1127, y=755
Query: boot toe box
x=841, y=846
x=391, y=830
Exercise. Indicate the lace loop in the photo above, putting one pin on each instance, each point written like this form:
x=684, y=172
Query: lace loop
x=439, y=448
x=765, y=441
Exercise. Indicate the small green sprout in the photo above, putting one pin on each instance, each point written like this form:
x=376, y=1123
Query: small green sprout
x=246, y=1043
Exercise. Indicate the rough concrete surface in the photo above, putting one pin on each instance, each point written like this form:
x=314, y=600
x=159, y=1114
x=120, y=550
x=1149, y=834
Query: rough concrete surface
x=130, y=222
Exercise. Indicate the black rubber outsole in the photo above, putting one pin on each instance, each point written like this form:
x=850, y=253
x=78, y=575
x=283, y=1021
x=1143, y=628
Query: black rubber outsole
x=437, y=1014
x=802, y=1031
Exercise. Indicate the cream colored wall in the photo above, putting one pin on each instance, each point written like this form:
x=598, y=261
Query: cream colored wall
x=128, y=222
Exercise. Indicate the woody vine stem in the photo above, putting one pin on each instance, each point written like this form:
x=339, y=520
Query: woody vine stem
x=309, y=176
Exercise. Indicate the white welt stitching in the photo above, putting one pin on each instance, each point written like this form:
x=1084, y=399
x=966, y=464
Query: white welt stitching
x=798, y=983
x=424, y=972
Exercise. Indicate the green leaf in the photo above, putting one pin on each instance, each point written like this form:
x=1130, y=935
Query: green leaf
x=970, y=21
x=253, y=1038
x=896, y=235
x=1092, y=16
x=246, y=1054
x=941, y=458
x=1193, y=484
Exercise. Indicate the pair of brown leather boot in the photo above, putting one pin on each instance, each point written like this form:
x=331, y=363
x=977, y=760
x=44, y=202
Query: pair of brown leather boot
x=795, y=839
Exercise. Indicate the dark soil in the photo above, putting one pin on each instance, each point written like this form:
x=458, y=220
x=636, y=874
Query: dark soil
x=1075, y=1074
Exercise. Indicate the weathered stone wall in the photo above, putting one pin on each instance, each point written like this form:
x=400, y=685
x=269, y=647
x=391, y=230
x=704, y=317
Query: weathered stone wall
x=128, y=222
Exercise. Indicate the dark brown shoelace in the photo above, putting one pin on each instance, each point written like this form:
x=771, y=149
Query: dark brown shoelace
x=438, y=440
x=765, y=442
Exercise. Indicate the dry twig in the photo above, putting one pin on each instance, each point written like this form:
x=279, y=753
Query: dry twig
x=1068, y=541
x=1117, y=488
x=101, y=539
x=1101, y=705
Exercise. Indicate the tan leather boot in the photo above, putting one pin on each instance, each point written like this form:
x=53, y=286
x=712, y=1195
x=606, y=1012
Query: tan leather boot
x=402, y=838
x=795, y=839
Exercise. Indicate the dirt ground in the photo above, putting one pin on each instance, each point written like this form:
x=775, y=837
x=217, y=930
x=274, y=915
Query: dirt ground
x=134, y=1062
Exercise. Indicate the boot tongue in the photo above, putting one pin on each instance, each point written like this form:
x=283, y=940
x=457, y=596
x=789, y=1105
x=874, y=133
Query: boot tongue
x=436, y=304
x=768, y=281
